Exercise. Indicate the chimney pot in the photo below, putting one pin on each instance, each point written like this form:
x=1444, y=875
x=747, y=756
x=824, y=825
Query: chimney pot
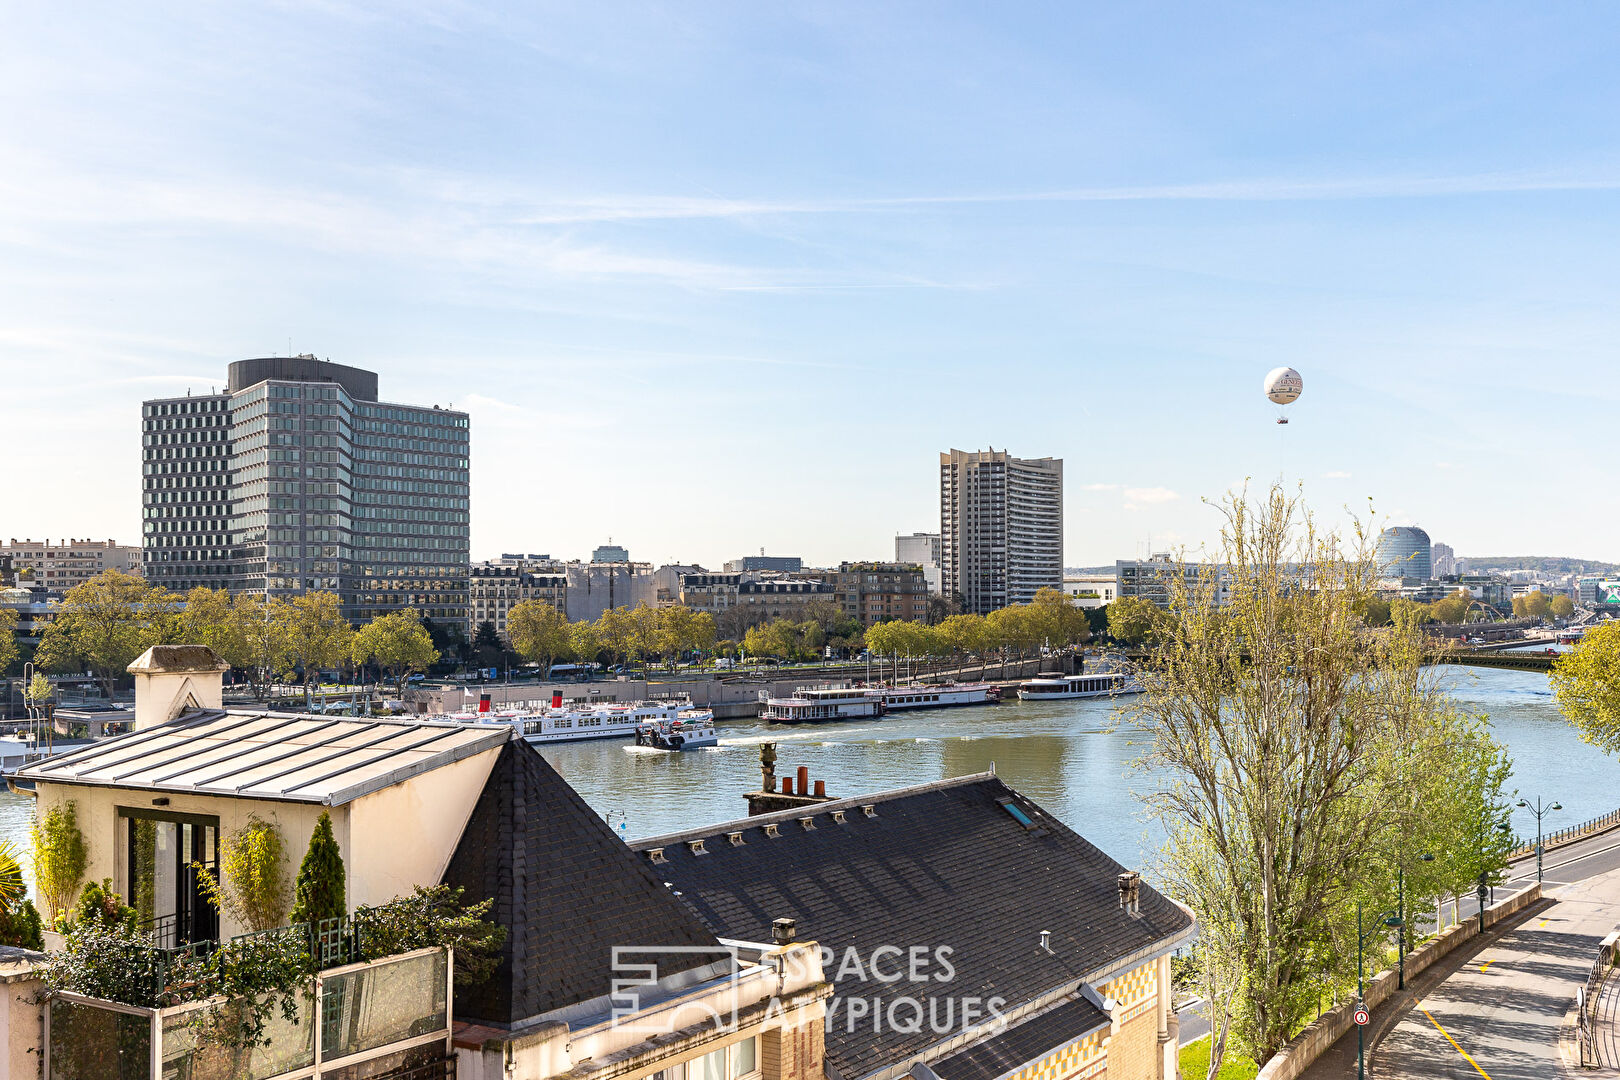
x=1130, y=892
x=804, y=780
x=821, y=789
x=784, y=931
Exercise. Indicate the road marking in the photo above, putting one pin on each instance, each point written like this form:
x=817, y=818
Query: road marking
x=1487, y=963
x=1540, y=924
x=1453, y=1042
x=1578, y=858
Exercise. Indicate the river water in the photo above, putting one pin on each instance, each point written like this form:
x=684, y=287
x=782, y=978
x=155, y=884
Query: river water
x=1073, y=757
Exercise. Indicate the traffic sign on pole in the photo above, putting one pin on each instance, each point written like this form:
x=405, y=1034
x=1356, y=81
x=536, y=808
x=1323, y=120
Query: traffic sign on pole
x=1362, y=1017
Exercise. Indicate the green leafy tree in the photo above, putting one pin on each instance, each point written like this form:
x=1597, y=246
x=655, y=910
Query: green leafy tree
x=1586, y=682
x=1298, y=750
x=39, y=690
x=1134, y=621
x=209, y=618
x=584, y=643
x=1561, y=606
x=487, y=647
x=397, y=643
x=964, y=634
x=1452, y=609
x=434, y=916
x=940, y=608
x=1057, y=619
x=105, y=623
x=538, y=632
x=319, y=892
x=1533, y=605
x=254, y=873
x=60, y=857
x=8, y=638
x=681, y=630
x=1374, y=611
x=616, y=630
x=101, y=903
x=265, y=629
x=318, y=636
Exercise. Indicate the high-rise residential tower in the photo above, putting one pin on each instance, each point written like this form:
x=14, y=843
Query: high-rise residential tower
x=1001, y=527
x=922, y=549
x=297, y=478
x=1443, y=559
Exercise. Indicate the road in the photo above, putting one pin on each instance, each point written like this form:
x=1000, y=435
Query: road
x=1567, y=865
x=1560, y=866
x=1502, y=1014
x=1506, y=1019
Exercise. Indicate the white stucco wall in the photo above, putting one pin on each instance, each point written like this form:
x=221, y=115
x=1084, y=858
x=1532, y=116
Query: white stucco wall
x=404, y=835
x=391, y=840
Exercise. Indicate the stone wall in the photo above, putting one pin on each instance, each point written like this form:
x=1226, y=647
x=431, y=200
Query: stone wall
x=1298, y=1055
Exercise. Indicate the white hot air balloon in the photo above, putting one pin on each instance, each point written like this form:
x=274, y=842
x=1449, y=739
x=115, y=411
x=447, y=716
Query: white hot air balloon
x=1283, y=386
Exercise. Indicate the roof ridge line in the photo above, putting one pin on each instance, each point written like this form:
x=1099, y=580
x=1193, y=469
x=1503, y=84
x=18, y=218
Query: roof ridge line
x=778, y=816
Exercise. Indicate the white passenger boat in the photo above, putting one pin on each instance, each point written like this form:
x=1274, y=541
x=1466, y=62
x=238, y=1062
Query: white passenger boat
x=613, y=720
x=924, y=696
x=680, y=734
x=1104, y=684
x=823, y=703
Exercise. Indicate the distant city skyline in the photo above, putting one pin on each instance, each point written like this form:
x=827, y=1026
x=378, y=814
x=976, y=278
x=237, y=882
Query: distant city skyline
x=712, y=280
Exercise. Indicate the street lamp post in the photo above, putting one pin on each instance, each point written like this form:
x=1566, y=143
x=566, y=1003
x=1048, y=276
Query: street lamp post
x=1400, y=914
x=1539, y=810
x=1391, y=919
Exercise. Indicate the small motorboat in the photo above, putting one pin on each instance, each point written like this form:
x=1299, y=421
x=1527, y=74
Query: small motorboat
x=688, y=733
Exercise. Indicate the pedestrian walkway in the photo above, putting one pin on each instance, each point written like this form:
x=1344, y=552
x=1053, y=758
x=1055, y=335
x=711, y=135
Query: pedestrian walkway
x=1505, y=1013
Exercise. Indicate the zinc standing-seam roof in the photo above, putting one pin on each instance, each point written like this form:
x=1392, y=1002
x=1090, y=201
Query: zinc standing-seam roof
x=317, y=759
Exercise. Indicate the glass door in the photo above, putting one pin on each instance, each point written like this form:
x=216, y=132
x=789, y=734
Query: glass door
x=167, y=856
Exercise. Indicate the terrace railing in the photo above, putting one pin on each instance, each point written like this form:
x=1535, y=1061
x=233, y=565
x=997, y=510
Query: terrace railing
x=392, y=1014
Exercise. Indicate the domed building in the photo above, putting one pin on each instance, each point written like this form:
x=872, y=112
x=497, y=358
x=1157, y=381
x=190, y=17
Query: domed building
x=1404, y=551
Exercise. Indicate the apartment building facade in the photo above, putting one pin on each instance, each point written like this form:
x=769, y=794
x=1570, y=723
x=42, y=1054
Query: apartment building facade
x=495, y=589
x=62, y=564
x=1153, y=579
x=874, y=592
x=298, y=478
x=1001, y=527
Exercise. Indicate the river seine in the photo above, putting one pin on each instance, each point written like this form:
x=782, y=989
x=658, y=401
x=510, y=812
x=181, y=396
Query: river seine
x=1073, y=757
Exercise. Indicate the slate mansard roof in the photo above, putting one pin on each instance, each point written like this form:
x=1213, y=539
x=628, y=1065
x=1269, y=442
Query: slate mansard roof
x=292, y=756
x=1031, y=1040
x=966, y=864
x=568, y=891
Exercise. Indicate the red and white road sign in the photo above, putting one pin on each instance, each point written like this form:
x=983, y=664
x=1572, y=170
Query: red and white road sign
x=1362, y=1017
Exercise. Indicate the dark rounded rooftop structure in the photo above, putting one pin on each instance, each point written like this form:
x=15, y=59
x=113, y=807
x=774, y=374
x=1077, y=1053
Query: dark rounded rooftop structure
x=360, y=383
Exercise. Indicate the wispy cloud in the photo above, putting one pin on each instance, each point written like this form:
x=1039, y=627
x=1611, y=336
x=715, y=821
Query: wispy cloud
x=524, y=206
x=1150, y=496
x=1099, y=487
x=1336, y=474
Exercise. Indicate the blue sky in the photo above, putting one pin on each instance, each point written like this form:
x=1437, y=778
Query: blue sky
x=718, y=277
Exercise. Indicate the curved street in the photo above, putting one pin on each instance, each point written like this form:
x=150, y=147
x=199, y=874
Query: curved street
x=1502, y=1006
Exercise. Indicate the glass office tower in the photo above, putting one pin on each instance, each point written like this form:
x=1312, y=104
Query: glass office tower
x=320, y=486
